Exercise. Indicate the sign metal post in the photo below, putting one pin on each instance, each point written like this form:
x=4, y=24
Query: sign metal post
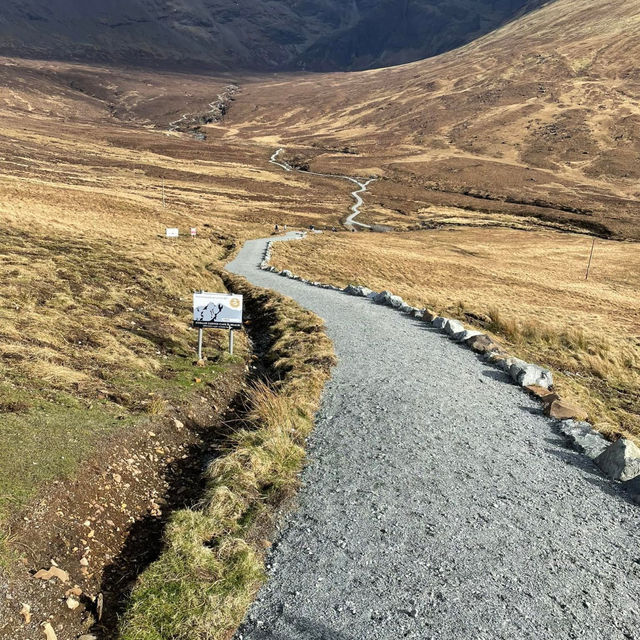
x=593, y=246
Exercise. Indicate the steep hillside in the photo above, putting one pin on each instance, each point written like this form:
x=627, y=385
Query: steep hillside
x=233, y=34
x=541, y=117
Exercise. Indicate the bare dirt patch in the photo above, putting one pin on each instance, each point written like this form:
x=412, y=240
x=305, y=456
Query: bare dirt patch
x=105, y=525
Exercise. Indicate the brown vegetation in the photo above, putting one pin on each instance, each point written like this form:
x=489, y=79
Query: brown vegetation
x=95, y=339
x=490, y=151
x=213, y=561
x=540, y=118
x=96, y=302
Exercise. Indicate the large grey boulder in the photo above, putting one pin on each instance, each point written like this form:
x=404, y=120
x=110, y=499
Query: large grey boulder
x=286, y=273
x=483, y=344
x=465, y=335
x=453, y=326
x=584, y=438
x=506, y=363
x=405, y=308
x=439, y=322
x=388, y=299
x=620, y=461
x=496, y=358
x=529, y=375
x=354, y=290
x=633, y=487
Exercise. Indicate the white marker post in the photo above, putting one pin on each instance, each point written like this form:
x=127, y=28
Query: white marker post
x=200, y=330
x=194, y=232
x=217, y=311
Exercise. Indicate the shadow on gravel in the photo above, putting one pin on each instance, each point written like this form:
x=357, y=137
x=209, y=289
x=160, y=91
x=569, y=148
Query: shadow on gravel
x=534, y=411
x=593, y=475
x=425, y=326
x=497, y=374
x=612, y=489
x=303, y=629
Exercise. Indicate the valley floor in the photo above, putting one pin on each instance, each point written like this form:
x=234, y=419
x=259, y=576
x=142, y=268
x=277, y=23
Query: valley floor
x=95, y=338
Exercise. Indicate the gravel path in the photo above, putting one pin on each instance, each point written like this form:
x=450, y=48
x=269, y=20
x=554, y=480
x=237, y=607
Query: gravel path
x=438, y=502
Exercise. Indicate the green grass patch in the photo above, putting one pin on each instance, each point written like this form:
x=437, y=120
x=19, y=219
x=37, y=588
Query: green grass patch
x=46, y=443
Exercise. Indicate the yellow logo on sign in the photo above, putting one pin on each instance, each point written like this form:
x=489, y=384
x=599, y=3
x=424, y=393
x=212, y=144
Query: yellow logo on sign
x=234, y=303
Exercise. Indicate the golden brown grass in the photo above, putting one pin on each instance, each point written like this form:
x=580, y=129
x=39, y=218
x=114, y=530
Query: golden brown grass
x=539, y=118
x=96, y=300
x=94, y=318
x=212, y=564
x=531, y=285
x=95, y=310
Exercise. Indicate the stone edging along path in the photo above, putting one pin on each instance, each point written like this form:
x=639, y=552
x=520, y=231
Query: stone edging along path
x=620, y=461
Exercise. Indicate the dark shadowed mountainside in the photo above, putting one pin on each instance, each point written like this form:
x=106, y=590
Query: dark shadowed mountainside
x=249, y=34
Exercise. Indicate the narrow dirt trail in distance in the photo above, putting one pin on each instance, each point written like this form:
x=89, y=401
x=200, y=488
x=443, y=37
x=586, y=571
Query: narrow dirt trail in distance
x=361, y=182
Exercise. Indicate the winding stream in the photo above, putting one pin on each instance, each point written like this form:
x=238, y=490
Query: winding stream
x=355, y=209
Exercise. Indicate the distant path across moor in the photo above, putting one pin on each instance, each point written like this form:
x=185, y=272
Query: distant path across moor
x=361, y=182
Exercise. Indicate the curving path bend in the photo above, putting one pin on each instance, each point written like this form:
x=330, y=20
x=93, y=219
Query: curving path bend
x=438, y=503
x=362, y=187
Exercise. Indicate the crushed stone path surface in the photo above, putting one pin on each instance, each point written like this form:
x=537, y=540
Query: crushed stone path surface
x=438, y=502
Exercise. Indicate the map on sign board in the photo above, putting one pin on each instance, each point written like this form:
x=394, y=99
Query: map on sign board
x=173, y=233
x=217, y=311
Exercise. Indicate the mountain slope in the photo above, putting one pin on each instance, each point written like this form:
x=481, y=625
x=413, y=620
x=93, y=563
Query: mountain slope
x=233, y=34
x=541, y=117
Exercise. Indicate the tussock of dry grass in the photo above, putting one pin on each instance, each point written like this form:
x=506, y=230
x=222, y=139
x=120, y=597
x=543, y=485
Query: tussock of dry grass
x=95, y=305
x=530, y=284
x=94, y=318
x=212, y=564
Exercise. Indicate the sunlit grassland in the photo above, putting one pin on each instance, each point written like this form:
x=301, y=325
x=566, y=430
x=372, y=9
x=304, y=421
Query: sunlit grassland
x=96, y=303
x=526, y=287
